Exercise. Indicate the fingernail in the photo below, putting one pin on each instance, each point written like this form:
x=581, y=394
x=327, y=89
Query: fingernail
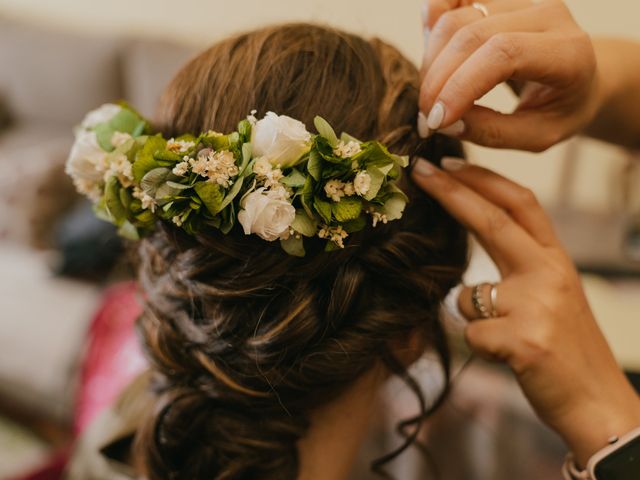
x=454, y=130
x=452, y=164
x=423, y=128
x=423, y=168
x=436, y=116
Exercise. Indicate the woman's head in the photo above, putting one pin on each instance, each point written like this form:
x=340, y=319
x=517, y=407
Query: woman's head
x=246, y=340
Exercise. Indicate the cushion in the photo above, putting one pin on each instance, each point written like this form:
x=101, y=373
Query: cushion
x=54, y=75
x=148, y=67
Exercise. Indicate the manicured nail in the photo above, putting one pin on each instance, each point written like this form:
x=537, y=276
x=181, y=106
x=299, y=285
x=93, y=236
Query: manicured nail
x=436, y=116
x=423, y=128
x=454, y=130
x=423, y=168
x=453, y=164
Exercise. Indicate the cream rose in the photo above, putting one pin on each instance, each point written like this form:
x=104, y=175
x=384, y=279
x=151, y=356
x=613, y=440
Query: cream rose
x=280, y=139
x=87, y=162
x=100, y=115
x=268, y=214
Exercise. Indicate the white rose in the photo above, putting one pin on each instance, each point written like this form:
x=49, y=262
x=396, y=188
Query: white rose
x=100, y=115
x=87, y=161
x=280, y=139
x=266, y=214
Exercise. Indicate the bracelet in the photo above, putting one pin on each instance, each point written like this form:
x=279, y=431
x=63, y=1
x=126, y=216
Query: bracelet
x=570, y=470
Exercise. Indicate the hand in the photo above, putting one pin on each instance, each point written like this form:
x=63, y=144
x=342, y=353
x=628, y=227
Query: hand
x=544, y=329
x=537, y=47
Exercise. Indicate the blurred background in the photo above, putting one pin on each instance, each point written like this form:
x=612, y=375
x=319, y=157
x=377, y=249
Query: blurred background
x=66, y=301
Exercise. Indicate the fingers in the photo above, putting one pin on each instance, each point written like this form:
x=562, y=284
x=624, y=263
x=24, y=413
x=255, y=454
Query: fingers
x=433, y=10
x=521, y=56
x=450, y=45
x=491, y=339
x=509, y=244
x=519, y=202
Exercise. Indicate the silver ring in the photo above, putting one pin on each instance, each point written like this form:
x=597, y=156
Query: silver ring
x=481, y=7
x=493, y=297
x=478, y=302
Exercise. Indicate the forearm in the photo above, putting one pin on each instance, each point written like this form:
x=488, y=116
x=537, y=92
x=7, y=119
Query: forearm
x=618, y=118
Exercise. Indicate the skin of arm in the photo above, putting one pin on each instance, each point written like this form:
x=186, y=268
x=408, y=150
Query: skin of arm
x=618, y=118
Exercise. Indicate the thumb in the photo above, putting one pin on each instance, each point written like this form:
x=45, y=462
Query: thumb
x=528, y=130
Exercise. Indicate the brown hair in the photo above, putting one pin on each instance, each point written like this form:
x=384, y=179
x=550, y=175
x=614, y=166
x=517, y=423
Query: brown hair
x=245, y=341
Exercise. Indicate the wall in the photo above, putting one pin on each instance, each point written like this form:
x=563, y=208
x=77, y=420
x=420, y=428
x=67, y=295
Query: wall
x=201, y=21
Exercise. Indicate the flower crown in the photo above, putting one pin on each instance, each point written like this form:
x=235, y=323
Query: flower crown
x=271, y=175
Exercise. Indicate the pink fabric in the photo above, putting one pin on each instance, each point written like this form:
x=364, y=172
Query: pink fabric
x=113, y=356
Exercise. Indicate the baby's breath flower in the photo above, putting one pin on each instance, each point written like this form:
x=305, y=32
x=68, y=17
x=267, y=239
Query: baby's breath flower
x=218, y=167
x=177, y=220
x=181, y=169
x=262, y=167
x=349, y=189
x=362, y=183
x=120, y=138
x=120, y=167
x=179, y=146
x=334, y=190
x=334, y=234
x=347, y=150
x=378, y=217
x=147, y=201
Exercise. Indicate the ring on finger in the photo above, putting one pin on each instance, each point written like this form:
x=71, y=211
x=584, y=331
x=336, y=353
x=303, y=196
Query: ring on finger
x=481, y=7
x=483, y=310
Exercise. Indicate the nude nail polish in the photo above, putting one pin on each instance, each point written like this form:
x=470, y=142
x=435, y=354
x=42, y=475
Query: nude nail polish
x=423, y=168
x=452, y=164
x=454, y=130
x=436, y=116
x=423, y=128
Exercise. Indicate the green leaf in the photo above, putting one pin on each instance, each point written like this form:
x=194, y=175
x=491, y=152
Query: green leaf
x=306, y=196
x=295, y=179
x=323, y=208
x=217, y=142
x=113, y=205
x=348, y=208
x=178, y=186
x=394, y=206
x=331, y=246
x=346, y=138
x=211, y=195
x=246, y=157
x=104, y=132
x=244, y=129
x=166, y=191
x=304, y=224
x=377, y=179
x=168, y=156
x=153, y=179
x=228, y=219
x=144, y=159
x=126, y=121
x=235, y=189
x=293, y=246
x=355, y=225
x=127, y=230
x=314, y=165
x=325, y=130
x=401, y=160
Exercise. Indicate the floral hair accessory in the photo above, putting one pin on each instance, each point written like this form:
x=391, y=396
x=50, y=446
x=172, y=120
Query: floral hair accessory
x=272, y=176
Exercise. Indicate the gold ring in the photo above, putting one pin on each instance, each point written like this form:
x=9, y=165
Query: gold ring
x=481, y=7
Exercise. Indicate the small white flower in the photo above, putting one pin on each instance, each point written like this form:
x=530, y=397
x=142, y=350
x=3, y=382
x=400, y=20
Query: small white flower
x=280, y=139
x=252, y=117
x=378, y=217
x=100, y=115
x=177, y=220
x=334, y=190
x=147, y=201
x=218, y=167
x=120, y=138
x=335, y=234
x=120, y=167
x=181, y=169
x=268, y=214
x=347, y=150
x=262, y=167
x=362, y=183
x=349, y=189
x=179, y=146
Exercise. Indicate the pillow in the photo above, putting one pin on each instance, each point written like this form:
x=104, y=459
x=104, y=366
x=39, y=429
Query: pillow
x=56, y=76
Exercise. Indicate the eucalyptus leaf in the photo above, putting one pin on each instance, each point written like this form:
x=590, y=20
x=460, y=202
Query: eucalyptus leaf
x=153, y=179
x=293, y=246
x=178, y=186
x=348, y=208
x=304, y=224
x=165, y=191
x=211, y=195
x=325, y=130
